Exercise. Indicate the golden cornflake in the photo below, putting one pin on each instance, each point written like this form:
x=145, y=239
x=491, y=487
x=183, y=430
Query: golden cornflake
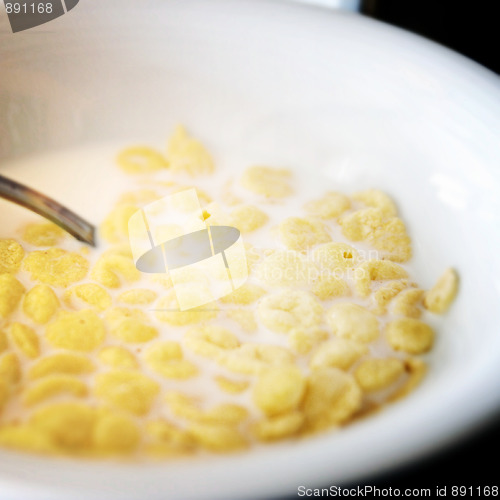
x=61, y=363
x=111, y=269
x=376, y=270
x=118, y=357
x=385, y=233
x=188, y=155
x=248, y=218
x=338, y=353
x=183, y=406
x=25, y=339
x=40, y=304
x=439, y=298
x=11, y=255
x=68, y=424
x=267, y=181
x=225, y=414
x=217, y=438
x=353, y=322
x=10, y=368
x=303, y=340
x=416, y=369
x=251, y=359
x=78, y=331
x=210, y=341
x=43, y=234
x=56, y=266
x=279, y=390
x=140, y=159
x=51, y=386
x=27, y=438
x=336, y=257
x=289, y=309
x=115, y=434
x=407, y=303
x=279, y=427
x=410, y=335
x=302, y=233
x=11, y=291
x=166, y=359
x=376, y=374
x=89, y=294
x=329, y=286
x=166, y=432
x=385, y=294
x=331, y=205
x=231, y=386
x=114, y=228
x=331, y=398
x=129, y=391
x=134, y=331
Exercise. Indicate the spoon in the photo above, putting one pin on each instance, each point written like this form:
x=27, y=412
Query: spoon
x=48, y=208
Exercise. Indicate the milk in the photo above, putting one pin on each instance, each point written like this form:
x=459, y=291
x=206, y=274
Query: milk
x=89, y=182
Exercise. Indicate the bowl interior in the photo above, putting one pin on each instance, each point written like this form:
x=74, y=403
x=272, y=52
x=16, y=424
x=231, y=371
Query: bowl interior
x=347, y=103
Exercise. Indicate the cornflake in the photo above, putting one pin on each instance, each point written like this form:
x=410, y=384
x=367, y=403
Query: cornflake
x=56, y=266
x=25, y=339
x=52, y=386
x=376, y=374
x=353, y=321
x=11, y=255
x=131, y=392
x=11, y=291
x=331, y=205
x=40, y=304
x=267, y=181
x=77, y=331
x=410, y=335
x=439, y=298
x=302, y=233
x=290, y=309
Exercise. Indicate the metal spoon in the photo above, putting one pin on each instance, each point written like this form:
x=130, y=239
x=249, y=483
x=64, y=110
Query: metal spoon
x=48, y=208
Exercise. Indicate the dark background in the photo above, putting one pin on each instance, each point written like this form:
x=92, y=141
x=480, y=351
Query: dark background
x=473, y=29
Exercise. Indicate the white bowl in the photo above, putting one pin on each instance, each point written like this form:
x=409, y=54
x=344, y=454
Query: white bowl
x=346, y=97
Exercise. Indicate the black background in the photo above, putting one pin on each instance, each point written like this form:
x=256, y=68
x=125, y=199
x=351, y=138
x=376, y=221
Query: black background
x=473, y=29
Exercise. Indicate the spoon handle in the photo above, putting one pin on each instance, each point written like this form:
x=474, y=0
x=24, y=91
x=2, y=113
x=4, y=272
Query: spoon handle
x=48, y=208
